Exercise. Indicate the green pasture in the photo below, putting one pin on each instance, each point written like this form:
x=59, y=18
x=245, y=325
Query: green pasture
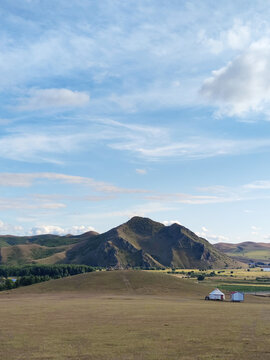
x=252, y=254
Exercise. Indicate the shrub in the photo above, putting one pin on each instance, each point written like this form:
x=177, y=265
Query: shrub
x=200, y=277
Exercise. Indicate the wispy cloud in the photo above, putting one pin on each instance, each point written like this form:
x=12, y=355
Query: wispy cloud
x=192, y=199
x=28, y=179
x=26, y=203
x=38, y=146
x=244, y=188
x=141, y=171
x=38, y=99
x=151, y=143
x=191, y=148
x=258, y=185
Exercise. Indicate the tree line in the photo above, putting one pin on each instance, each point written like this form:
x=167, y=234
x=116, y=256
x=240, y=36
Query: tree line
x=31, y=274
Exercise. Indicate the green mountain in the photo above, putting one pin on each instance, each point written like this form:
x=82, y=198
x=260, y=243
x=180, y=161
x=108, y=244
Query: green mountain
x=142, y=242
x=247, y=251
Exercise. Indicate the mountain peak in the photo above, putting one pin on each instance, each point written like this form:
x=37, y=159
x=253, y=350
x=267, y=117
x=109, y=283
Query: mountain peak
x=143, y=225
x=140, y=219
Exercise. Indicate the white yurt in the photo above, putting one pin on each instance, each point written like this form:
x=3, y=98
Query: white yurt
x=216, y=295
x=237, y=296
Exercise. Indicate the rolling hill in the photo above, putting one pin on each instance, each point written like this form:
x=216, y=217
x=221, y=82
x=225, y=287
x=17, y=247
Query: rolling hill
x=247, y=251
x=121, y=282
x=48, y=249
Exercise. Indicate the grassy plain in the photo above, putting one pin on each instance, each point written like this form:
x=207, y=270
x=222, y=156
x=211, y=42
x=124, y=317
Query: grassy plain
x=128, y=315
x=253, y=280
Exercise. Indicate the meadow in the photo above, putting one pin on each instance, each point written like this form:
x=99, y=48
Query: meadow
x=130, y=315
x=246, y=280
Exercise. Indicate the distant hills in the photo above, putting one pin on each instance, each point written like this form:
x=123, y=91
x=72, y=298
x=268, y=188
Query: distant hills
x=246, y=251
x=140, y=242
x=47, y=249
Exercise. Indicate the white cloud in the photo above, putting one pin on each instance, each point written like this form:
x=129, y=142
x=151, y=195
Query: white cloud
x=53, y=98
x=8, y=229
x=80, y=229
x=213, y=238
x=237, y=37
x=141, y=171
x=58, y=230
x=255, y=228
x=171, y=222
x=47, y=229
x=242, y=85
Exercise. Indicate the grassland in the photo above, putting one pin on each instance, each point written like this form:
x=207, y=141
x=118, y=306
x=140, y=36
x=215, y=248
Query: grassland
x=128, y=315
x=263, y=255
x=252, y=281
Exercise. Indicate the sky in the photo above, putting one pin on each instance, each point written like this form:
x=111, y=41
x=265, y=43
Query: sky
x=156, y=108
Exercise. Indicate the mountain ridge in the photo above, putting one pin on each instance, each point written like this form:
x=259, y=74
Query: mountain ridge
x=139, y=242
x=142, y=242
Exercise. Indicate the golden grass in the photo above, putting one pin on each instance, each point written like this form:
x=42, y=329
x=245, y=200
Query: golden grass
x=237, y=273
x=125, y=323
x=118, y=283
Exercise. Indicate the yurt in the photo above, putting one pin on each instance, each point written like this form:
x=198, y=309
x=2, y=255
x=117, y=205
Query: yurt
x=216, y=295
x=237, y=296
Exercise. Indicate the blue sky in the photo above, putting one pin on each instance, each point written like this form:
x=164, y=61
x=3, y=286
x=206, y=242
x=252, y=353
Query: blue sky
x=111, y=109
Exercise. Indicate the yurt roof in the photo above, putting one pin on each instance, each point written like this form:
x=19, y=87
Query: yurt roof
x=216, y=292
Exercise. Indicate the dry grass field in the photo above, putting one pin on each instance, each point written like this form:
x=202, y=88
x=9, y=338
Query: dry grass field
x=128, y=315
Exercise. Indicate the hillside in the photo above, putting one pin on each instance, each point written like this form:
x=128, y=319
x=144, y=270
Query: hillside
x=121, y=282
x=142, y=242
x=246, y=251
x=49, y=249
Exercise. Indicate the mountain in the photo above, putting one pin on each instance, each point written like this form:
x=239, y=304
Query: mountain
x=142, y=242
x=247, y=251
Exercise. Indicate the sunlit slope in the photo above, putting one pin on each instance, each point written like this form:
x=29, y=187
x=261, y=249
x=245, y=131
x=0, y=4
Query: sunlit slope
x=246, y=251
x=28, y=254
x=47, y=249
x=119, y=282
